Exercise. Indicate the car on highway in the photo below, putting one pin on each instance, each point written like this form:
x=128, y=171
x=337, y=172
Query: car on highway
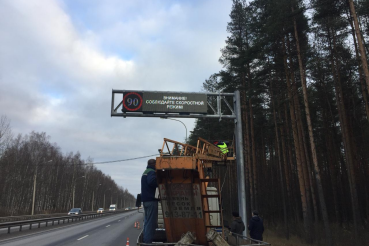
x=113, y=208
x=126, y=209
x=100, y=210
x=75, y=211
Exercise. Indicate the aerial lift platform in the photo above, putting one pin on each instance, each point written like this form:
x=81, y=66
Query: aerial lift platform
x=190, y=199
x=182, y=180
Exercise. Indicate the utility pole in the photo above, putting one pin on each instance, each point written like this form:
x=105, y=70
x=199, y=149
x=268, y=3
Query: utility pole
x=92, y=202
x=240, y=159
x=34, y=191
x=34, y=187
x=93, y=196
x=74, y=189
x=104, y=196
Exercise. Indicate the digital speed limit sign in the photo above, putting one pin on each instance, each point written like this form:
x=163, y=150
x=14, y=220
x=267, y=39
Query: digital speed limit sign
x=132, y=102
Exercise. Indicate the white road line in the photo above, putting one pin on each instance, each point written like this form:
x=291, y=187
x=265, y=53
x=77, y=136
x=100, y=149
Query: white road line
x=107, y=226
x=82, y=238
x=45, y=231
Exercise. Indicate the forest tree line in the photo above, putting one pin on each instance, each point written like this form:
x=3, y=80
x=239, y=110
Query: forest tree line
x=26, y=158
x=301, y=68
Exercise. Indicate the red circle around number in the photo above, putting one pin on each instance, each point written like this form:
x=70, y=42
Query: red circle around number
x=124, y=101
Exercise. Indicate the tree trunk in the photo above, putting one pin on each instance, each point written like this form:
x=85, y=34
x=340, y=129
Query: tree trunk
x=279, y=163
x=297, y=150
x=345, y=131
x=285, y=162
x=312, y=143
x=361, y=77
x=253, y=156
x=364, y=62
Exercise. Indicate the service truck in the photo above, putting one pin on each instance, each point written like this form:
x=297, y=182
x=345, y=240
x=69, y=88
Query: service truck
x=113, y=207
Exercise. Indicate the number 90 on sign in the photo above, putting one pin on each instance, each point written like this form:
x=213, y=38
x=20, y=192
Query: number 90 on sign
x=132, y=101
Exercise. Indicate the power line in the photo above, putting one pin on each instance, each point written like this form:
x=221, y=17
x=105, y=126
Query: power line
x=104, y=162
x=93, y=163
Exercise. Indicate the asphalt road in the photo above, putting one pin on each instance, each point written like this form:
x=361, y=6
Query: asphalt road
x=111, y=230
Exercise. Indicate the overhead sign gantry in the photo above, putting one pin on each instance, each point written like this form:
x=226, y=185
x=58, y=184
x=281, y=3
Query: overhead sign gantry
x=172, y=104
x=169, y=104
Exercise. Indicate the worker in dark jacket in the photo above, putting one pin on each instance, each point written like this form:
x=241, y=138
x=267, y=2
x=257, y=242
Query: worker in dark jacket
x=237, y=225
x=148, y=188
x=256, y=226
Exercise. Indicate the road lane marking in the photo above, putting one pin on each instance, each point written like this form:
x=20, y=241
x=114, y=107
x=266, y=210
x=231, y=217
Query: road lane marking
x=82, y=238
x=107, y=226
x=50, y=230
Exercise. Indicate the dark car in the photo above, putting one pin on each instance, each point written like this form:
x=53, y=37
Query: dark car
x=75, y=211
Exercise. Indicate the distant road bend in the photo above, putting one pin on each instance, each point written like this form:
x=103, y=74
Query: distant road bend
x=111, y=230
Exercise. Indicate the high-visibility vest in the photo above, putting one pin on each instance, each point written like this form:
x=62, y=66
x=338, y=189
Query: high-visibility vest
x=223, y=147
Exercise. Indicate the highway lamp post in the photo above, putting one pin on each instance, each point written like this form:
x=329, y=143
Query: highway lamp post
x=178, y=121
x=104, y=196
x=124, y=200
x=74, y=189
x=93, y=197
x=111, y=197
x=34, y=186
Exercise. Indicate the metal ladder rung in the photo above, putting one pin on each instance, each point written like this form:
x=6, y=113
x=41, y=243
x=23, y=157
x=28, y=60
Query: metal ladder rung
x=212, y=211
x=209, y=180
x=209, y=196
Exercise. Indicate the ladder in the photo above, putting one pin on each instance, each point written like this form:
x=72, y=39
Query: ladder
x=205, y=203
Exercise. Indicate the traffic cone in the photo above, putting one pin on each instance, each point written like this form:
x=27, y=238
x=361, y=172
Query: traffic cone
x=127, y=244
x=136, y=224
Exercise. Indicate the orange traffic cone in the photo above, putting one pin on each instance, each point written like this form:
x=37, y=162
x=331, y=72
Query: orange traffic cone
x=127, y=244
x=136, y=224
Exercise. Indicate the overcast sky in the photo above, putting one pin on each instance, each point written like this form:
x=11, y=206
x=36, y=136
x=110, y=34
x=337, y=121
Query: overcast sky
x=60, y=59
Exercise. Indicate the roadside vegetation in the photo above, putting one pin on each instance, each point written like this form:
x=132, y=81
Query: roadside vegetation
x=26, y=158
x=301, y=68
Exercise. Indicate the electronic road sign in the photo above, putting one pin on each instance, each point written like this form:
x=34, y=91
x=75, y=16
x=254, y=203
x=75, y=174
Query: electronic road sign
x=164, y=102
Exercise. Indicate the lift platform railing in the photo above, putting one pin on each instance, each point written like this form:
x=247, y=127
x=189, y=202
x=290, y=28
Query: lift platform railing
x=204, y=150
x=208, y=149
x=174, y=148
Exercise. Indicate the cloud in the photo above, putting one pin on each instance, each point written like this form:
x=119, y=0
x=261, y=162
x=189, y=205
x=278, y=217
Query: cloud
x=59, y=61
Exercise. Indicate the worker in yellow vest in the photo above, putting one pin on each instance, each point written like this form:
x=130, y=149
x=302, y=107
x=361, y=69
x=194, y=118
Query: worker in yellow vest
x=222, y=146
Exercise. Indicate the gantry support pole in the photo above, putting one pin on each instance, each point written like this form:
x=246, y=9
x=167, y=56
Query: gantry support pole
x=240, y=159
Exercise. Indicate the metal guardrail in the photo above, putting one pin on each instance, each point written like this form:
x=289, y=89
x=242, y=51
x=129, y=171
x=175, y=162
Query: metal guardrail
x=31, y=222
x=238, y=240
x=36, y=216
